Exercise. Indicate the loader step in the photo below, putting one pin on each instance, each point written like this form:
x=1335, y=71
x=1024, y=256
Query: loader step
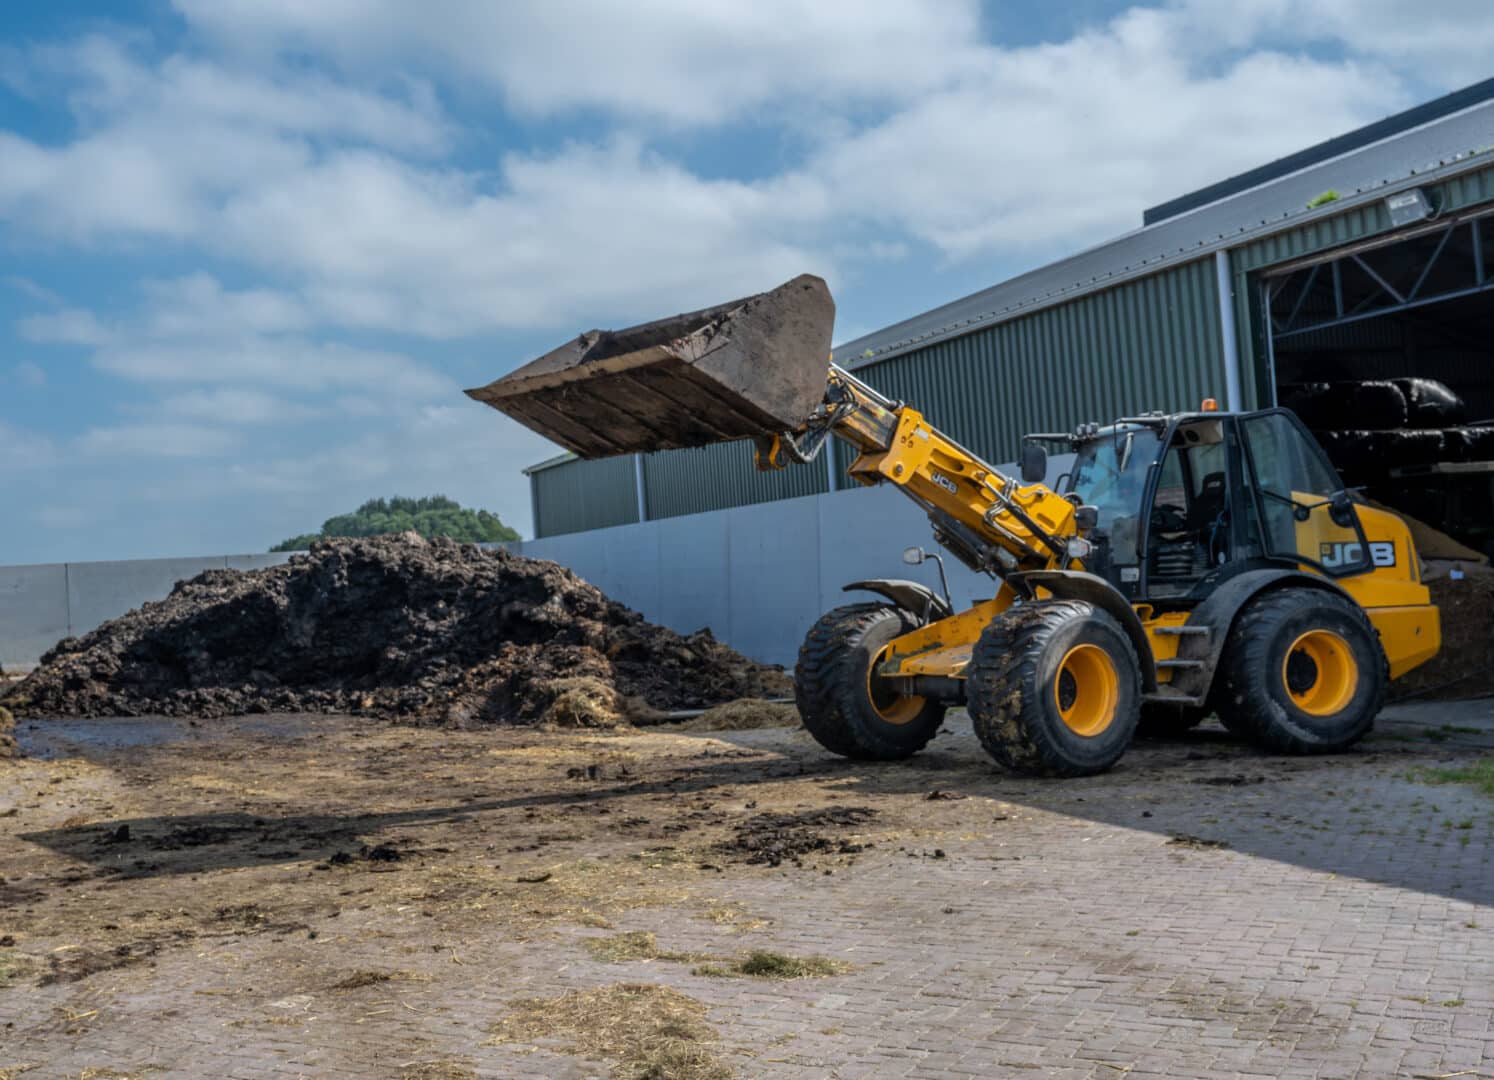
x=1182, y=631
x=1163, y=697
x=1175, y=665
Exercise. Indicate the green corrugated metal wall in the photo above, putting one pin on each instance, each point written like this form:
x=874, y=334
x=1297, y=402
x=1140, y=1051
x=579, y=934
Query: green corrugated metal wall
x=1361, y=223
x=679, y=482
x=578, y=495
x=1153, y=343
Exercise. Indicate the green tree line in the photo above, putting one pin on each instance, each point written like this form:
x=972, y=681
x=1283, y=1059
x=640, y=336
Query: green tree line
x=431, y=516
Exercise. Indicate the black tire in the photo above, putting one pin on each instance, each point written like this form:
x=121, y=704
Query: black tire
x=1159, y=721
x=836, y=698
x=1275, y=694
x=1017, y=674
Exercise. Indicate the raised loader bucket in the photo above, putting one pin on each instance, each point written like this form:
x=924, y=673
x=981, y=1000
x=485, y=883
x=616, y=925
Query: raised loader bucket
x=750, y=367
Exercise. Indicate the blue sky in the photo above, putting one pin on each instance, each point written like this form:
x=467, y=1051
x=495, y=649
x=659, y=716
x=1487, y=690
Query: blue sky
x=251, y=250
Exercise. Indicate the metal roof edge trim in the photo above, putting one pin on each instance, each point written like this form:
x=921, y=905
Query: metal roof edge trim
x=1148, y=265
x=550, y=463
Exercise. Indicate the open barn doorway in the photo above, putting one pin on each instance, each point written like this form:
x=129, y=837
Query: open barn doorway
x=1386, y=350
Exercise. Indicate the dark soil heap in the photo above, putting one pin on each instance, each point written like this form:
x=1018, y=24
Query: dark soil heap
x=393, y=625
x=1464, y=667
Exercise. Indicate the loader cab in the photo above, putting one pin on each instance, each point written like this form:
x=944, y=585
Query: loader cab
x=1188, y=500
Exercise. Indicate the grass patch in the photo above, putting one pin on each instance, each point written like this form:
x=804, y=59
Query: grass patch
x=1478, y=774
x=1324, y=199
x=647, y=1032
x=634, y=945
x=1446, y=731
x=762, y=964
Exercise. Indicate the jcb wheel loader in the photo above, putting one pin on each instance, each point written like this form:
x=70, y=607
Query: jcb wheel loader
x=1189, y=562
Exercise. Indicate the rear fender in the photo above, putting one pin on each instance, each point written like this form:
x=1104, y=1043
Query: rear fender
x=914, y=597
x=1218, y=614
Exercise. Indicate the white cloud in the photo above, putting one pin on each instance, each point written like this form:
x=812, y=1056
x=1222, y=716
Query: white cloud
x=70, y=326
x=589, y=230
x=192, y=330
x=684, y=61
x=1446, y=43
x=105, y=79
x=232, y=405
x=158, y=440
x=29, y=288
x=1055, y=145
x=175, y=138
x=290, y=363
x=197, y=306
x=465, y=451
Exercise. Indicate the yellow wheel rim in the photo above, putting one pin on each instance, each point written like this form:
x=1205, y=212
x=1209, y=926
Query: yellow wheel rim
x=1086, y=689
x=892, y=707
x=1320, y=673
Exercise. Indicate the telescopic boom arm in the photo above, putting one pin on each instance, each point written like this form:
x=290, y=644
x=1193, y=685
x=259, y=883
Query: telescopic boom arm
x=991, y=521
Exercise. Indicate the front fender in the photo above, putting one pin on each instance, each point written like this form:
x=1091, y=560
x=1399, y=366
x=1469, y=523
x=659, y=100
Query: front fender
x=913, y=597
x=1093, y=589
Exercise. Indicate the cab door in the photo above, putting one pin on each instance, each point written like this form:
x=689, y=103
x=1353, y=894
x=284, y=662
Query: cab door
x=1297, y=509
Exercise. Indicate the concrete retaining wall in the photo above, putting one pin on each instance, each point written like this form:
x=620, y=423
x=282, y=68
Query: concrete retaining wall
x=759, y=576
x=41, y=605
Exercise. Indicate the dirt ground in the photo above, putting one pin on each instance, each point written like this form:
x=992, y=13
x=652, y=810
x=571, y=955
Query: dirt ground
x=294, y=895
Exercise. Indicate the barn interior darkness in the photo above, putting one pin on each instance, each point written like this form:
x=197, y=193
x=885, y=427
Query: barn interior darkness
x=1387, y=352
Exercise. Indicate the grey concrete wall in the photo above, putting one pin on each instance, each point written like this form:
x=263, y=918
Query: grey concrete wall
x=758, y=576
x=33, y=612
x=41, y=605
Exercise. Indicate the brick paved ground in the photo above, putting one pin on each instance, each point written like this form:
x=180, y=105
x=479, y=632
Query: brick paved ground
x=1017, y=928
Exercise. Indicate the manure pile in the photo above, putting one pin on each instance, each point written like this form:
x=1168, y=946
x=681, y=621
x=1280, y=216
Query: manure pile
x=1464, y=668
x=398, y=626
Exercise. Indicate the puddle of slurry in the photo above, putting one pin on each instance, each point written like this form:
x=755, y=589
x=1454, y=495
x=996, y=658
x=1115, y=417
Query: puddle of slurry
x=49, y=740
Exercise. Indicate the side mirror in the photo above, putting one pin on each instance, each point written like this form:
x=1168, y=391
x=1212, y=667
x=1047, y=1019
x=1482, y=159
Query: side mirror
x=1341, y=510
x=1034, y=463
x=914, y=556
x=1086, y=517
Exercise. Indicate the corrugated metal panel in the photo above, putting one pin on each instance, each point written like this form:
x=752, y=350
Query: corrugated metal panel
x=679, y=482
x=1149, y=344
x=1470, y=189
x=579, y=495
x=1360, y=223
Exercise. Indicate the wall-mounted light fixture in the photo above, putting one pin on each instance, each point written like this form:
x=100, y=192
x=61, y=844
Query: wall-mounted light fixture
x=1408, y=207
